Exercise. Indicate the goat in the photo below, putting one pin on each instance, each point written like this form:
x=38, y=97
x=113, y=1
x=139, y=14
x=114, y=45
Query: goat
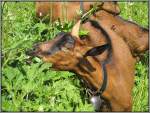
x=54, y=10
x=68, y=52
x=135, y=36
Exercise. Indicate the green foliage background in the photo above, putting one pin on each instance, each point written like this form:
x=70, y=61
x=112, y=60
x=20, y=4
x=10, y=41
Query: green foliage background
x=36, y=88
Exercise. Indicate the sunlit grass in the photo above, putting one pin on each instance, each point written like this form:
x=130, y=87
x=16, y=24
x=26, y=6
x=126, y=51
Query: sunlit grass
x=36, y=88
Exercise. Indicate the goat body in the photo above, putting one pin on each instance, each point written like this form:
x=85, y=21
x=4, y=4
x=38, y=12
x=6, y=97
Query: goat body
x=134, y=35
x=120, y=69
x=67, y=52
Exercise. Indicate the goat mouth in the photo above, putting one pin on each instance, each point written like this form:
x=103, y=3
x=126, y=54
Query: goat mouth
x=32, y=52
x=32, y=57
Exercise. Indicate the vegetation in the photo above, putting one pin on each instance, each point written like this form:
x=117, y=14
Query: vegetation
x=35, y=87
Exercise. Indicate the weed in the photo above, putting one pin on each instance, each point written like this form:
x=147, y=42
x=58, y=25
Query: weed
x=35, y=86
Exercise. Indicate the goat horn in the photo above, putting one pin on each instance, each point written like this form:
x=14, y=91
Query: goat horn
x=75, y=29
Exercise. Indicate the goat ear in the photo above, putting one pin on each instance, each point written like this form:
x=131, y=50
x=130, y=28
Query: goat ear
x=97, y=50
x=75, y=29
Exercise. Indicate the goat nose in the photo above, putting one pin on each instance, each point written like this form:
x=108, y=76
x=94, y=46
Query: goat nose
x=35, y=45
x=30, y=52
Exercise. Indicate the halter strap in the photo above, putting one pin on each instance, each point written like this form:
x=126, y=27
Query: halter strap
x=104, y=76
x=81, y=7
x=104, y=84
x=103, y=63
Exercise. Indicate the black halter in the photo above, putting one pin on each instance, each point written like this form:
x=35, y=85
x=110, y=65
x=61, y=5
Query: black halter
x=81, y=7
x=103, y=65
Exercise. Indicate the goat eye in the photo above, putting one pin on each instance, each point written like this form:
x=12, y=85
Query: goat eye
x=64, y=49
x=69, y=45
x=46, y=53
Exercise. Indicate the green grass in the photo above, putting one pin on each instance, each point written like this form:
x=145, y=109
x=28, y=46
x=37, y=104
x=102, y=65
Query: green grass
x=36, y=88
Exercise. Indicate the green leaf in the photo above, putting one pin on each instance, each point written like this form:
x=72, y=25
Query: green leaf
x=83, y=32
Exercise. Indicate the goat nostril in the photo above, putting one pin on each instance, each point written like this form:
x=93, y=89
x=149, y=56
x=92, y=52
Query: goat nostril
x=28, y=52
x=35, y=45
x=34, y=49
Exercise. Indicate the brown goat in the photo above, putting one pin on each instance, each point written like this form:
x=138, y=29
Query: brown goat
x=69, y=10
x=135, y=36
x=68, y=52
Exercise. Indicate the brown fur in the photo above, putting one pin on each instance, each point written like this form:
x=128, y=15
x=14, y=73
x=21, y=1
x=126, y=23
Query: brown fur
x=55, y=9
x=120, y=70
x=134, y=35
